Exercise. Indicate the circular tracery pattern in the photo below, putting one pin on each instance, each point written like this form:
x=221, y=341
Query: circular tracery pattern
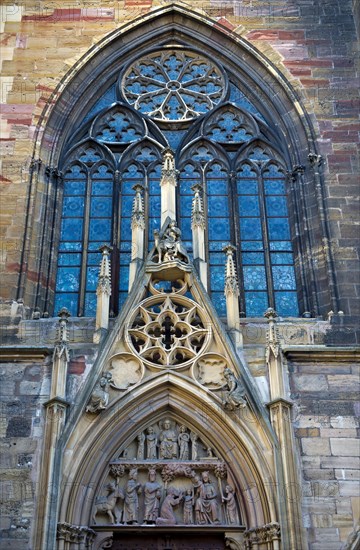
x=168, y=331
x=174, y=85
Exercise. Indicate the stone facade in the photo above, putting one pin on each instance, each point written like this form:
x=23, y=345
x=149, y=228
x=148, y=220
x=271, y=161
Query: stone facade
x=309, y=370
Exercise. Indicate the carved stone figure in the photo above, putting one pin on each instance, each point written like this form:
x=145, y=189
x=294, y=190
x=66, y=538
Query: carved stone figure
x=152, y=494
x=188, y=514
x=206, y=507
x=232, y=517
x=141, y=446
x=172, y=499
x=131, y=504
x=108, y=503
x=183, y=440
x=235, y=396
x=100, y=396
x=151, y=444
x=168, y=442
x=169, y=247
x=194, y=446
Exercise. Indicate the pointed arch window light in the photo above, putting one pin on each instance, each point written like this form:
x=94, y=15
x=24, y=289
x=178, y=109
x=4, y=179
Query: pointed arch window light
x=182, y=99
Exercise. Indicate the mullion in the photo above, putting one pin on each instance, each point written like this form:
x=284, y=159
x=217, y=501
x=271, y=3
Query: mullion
x=268, y=271
x=85, y=243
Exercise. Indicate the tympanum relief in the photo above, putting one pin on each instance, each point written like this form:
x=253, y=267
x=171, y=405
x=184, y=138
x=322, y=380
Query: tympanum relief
x=167, y=476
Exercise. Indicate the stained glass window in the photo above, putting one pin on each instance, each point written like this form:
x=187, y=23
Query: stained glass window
x=184, y=99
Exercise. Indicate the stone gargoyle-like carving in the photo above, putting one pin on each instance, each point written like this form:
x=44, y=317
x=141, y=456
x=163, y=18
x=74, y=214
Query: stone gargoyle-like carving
x=100, y=396
x=169, y=247
x=235, y=397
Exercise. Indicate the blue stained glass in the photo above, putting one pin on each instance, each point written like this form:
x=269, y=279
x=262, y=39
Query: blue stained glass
x=186, y=185
x=281, y=259
x=237, y=97
x=94, y=246
x=68, y=279
x=73, y=247
x=249, y=205
x=254, y=278
x=278, y=229
x=103, y=172
x=102, y=188
x=127, y=204
x=280, y=245
x=276, y=206
x=217, y=187
x=125, y=258
x=73, y=206
x=218, y=206
x=215, y=246
x=101, y=207
x=189, y=170
x=186, y=232
x=92, y=276
x=107, y=99
x=246, y=170
x=146, y=154
x=124, y=278
x=250, y=228
x=219, y=229
x=219, y=301
x=154, y=223
x=90, y=304
x=186, y=204
x=69, y=259
x=217, y=277
x=74, y=187
x=251, y=258
x=75, y=171
x=122, y=298
x=155, y=171
x=100, y=229
x=71, y=229
x=247, y=187
x=68, y=300
x=94, y=258
x=258, y=153
x=256, y=303
x=274, y=187
x=216, y=170
x=286, y=304
x=125, y=246
x=154, y=187
x=218, y=258
x=202, y=153
x=273, y=171
x=155, y=204
x=133, y=171
x=90, y=155
x=174, y=138
x=252, y=245
x=125, y=228
x=284, y=277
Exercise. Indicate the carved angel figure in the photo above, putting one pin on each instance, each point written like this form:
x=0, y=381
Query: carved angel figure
x=235, y=396
x=100, y=396
x=169, y=247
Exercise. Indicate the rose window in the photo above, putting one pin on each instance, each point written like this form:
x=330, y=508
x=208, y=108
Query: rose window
x=168, y=331
x=175, y=85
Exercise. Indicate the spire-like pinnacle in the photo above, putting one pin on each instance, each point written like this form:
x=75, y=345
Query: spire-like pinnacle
x=64, y=314
x=197, y=213
x=272, y=336
x=104, y=281
x=137, y=218
x=231, y=282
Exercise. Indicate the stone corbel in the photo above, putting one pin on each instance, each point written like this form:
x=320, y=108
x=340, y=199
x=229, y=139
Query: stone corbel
x=79, y=535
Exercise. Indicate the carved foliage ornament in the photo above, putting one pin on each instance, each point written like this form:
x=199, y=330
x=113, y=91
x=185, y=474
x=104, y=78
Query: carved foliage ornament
x=174, y=85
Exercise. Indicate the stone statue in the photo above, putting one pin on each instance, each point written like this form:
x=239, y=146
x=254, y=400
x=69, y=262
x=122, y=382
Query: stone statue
x=151, y=444
x=194, y=446
x=188, y=514
x=232, y=517
x=168, y=442
x=100, y=396
x=107, y=504
x=141, y=446
x=169, y=247
x=183, y=440
x=152, y=494
x=235, y=396
x=131, y=504
x=172, y=499
x=206, y=506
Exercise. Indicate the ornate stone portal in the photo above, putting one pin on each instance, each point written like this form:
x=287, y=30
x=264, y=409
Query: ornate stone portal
x=167, y=476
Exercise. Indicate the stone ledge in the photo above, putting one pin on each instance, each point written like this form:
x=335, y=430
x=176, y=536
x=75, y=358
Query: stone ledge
x=322, y=353
x=24, y=353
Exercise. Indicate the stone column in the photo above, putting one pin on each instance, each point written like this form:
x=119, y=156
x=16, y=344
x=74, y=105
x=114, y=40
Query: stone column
x=280, y=415
x=55, y=414
x=168, y=187
x=231, y=292
x=198, y=232
x=138, y=234
x=103, y=293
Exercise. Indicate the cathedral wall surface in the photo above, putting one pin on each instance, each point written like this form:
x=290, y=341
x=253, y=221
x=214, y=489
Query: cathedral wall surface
x=312, y=44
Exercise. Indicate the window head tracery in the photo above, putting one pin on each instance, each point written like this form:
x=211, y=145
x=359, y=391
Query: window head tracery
x=174, y=85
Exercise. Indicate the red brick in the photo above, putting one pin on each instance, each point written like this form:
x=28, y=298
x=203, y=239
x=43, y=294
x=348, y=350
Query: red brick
x=223, y=22
x=294, y=35
x=77, y=365
x=314, y=82
x=262, y=35
x=310, y=62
